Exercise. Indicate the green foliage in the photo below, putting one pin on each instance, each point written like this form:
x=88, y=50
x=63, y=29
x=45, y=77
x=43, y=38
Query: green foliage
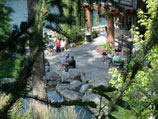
x=95, y=34
x=72, y=30
x=97, y=18
x=106, y=47
x=5, y=26
x=5, y=21
x=142, y=93
x=17, y=111
x=137, y=89
x=9, y=67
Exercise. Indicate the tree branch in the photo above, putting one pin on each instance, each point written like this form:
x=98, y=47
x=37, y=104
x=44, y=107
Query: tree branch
x=63, y=103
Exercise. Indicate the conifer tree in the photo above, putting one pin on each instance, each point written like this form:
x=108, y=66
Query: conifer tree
x=72, y=11
x=5, y=26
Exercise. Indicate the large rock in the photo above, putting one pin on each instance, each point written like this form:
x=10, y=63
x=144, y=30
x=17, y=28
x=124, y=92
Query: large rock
x=54, y=76
x=74, y=74
x=71, y=95
x=84, y=88
x=75, y=85
x=65, y=77
x=51, y=83
x=85, y=78
x=63, y=86
x=88, y=96
x=99, y=82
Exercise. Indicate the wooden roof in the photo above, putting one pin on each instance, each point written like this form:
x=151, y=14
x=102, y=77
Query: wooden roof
x=126, y=4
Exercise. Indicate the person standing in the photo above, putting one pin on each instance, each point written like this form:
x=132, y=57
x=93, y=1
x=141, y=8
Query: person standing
x=63, y=45
x=57, y=45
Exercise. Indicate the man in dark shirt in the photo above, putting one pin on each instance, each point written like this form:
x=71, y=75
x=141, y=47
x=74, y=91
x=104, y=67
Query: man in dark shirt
x=72, y=64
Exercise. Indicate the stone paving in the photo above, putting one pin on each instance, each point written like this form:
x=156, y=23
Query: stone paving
x=87, y=59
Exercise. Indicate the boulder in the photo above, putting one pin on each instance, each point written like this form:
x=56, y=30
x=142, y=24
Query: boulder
x=88, y=96
x=71, y=95
x=84, y=88
x=63, y=86
x=51, y=83
x=99, y=82
x=85, y=78
x=54, y=76
x=65, y=77
x=74, y=74
x=75, y=85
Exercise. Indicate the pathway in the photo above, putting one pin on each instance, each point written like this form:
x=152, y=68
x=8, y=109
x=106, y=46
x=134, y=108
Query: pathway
x=87, y=59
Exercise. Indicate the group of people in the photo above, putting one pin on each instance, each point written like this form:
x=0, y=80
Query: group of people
x=67, y=63
x=60, y=45
x=55, y=43
x=116, y=57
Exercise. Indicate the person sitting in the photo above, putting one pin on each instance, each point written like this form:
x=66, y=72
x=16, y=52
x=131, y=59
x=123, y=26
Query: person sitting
x=65, y=62
x=118, y=49
x=117, y=60
x=72, y=64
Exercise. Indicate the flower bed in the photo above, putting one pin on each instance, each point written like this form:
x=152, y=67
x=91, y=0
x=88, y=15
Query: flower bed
x=104, y=48
x=100, y=50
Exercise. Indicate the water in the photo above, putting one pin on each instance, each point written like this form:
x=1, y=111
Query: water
x=82, y=113
x=20, y=12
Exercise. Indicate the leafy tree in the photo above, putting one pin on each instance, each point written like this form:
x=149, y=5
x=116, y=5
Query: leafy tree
x=136, y=90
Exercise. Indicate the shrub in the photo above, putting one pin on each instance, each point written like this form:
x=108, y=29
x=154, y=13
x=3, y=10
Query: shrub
x=104, y=48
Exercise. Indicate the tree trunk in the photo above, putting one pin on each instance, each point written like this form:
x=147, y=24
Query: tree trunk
x=38, y=73
x=110, y=30
x=31, y=6
x=88, y=23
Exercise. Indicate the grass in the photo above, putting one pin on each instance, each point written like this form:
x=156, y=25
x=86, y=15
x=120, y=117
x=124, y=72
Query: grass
x=7, y=67
x=15, y=111
x=41, y=111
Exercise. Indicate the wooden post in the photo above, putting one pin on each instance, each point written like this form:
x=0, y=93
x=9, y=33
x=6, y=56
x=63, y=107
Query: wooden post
x=110, y=28
x=125, y=21
x=118, y=22
x=88, y=22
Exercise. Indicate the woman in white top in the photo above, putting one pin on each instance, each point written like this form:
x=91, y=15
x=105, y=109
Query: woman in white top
x=63, y=45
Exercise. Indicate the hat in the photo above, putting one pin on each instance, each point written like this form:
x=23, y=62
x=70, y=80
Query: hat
x=67, y=55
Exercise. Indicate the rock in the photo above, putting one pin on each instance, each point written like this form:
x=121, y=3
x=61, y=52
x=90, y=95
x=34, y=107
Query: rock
x=71, y=95
x=65, y=77
x=74, y=74
x=88, y=96
x=84, y=88
x=54, y=76
x=51, y=83
x=85, y=78
x=75, y=85
x=63, y=86
x=99, y=82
